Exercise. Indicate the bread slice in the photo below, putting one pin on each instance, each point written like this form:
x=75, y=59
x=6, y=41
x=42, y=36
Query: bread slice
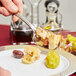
x=54, y=41
x=40, y=43
x=41, y=32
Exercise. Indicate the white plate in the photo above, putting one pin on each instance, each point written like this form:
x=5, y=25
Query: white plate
x=38, y=68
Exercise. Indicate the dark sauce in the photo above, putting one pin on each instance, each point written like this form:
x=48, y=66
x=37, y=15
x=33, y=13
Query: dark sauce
x=22, y=36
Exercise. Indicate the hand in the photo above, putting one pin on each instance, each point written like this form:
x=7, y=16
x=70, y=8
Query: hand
x=8, y=7
x=4, y=72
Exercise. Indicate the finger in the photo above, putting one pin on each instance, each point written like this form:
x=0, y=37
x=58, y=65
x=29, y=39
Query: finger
x=4, y=11
x=8, y=73
x=4, y=72
x=19, y=4
x=10, y=6
x=15, y=18
x=1, y=68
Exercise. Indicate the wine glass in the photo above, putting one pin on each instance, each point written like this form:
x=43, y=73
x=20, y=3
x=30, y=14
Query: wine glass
x=34, y=14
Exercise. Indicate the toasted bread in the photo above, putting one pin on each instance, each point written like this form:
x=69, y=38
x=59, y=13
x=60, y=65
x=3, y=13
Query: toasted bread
x=54, y=41
x=41, y=32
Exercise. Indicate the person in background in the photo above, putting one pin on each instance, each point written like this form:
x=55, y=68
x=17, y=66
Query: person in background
x=7, y=8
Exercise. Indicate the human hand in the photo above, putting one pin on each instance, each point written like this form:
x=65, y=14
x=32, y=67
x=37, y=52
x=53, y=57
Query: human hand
x=8, y=7
x=4, y=72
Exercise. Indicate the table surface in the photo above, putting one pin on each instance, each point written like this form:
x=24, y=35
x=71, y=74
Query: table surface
x=5, y=38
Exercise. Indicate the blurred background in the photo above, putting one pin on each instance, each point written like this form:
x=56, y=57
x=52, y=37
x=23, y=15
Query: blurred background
x=67, y=9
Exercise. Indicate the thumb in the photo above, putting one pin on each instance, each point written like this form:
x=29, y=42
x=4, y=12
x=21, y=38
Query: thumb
x=10, y=6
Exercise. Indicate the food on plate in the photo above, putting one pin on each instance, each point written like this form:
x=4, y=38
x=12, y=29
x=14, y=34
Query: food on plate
x=47, y=38
x=70, y=38
x=54, y=41
x=41, y=32
x=32, y=54
x=74, y=46
x=27, y=59
x=69, y=43
x=45, y=42
x=18, y=54
x=52, y=59
x=40, y=43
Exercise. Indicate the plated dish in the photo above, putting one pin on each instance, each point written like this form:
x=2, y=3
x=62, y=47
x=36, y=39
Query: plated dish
x=37, y=68
x=50, y=40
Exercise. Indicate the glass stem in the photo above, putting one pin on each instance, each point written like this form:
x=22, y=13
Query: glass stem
x=35, y=15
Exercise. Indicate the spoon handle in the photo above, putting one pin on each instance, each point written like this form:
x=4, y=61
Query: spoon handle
x=26, y=21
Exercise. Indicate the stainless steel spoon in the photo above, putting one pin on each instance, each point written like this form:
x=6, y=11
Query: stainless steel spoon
x=26, y=22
